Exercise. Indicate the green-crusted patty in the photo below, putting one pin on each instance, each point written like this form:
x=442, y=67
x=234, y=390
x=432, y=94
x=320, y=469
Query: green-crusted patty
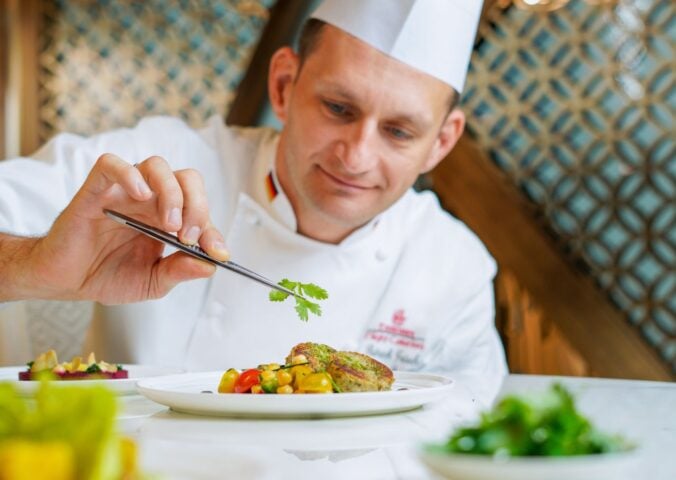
x=350, y=371
x=318, y=354
x=356, y=372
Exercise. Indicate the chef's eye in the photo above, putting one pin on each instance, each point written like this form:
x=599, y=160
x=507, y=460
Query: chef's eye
x=398, y=133
x=337, y=109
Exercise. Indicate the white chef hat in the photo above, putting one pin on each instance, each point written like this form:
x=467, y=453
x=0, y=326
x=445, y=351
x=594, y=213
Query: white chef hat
x=434, y=36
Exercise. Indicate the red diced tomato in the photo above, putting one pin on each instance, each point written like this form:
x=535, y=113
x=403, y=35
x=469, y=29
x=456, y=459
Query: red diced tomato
x=247, y=379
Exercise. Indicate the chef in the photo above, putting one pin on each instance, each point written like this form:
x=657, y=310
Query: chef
x=367, y=104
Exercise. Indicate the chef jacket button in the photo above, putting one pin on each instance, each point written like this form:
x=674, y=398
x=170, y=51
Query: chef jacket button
x=380, y=255
x=251, y=219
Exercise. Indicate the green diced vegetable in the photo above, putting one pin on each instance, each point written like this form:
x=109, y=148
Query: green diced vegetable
x=270, y=386
x=93, y=368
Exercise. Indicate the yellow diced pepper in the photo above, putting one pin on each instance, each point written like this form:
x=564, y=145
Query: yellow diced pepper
x=26, y=460
x=299, y=372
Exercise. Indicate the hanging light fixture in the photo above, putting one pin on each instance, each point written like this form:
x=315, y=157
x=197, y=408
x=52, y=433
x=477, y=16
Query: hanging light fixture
x=540, y=5
x=544, y=5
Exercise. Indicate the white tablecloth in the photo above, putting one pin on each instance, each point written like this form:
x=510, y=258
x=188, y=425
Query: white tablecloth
x=379, y=447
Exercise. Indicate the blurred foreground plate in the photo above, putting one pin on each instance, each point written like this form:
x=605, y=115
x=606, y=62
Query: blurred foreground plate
x=121, y=386
x=604, y=466
x=184, y=393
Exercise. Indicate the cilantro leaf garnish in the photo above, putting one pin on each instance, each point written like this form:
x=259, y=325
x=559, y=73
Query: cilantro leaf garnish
x=303, y=306
x=277, y=296
x=302, y=312
x=313, y=291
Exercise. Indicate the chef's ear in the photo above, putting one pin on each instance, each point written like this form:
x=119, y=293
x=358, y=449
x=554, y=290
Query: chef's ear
x=283, y=70
x=448, y=136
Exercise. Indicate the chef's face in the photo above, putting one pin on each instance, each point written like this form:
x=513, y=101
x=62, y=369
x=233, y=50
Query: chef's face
x=359, y=127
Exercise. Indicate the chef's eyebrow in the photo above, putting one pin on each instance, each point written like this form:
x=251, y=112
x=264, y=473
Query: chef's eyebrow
x=337, y=90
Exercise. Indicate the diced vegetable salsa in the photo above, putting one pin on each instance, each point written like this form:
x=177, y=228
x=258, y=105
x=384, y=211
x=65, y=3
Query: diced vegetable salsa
x=295, y=377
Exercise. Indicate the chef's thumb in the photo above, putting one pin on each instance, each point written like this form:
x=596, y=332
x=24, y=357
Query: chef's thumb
x=176, y=268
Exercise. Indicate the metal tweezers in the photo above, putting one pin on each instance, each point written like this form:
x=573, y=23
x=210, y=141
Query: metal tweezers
x=193, y=250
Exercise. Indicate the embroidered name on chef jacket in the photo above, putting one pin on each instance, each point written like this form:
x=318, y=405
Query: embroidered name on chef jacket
x=395, y=343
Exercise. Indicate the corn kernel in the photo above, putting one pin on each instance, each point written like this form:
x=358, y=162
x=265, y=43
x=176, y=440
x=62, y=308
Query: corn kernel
x=285, y=389
x=284, y=377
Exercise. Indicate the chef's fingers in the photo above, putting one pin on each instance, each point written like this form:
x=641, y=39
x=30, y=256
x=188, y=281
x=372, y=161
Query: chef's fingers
x=212, y=242
x=195, y=206
x=174, y=269
x=162, y=181
x=109, y=170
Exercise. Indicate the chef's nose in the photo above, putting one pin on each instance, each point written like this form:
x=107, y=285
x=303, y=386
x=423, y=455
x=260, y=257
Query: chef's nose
x=359, y=147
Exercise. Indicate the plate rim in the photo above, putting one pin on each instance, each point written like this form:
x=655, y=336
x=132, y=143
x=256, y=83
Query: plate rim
x=343, y=404
x=122, y=386
x=526, y=460
x=480, y=467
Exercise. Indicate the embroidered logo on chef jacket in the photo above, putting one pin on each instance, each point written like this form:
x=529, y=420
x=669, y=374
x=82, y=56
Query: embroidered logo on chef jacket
x=395, y=343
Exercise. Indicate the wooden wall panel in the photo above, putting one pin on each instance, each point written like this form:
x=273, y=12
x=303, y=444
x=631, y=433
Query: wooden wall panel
x=4, y=71
x=19, y=28
x=471, y=187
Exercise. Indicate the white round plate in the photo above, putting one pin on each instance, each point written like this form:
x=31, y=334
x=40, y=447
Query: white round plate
x=121, y=386
x=606, y=466
x=183, y=393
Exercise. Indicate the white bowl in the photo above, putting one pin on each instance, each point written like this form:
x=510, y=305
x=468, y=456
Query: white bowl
x=603, y=466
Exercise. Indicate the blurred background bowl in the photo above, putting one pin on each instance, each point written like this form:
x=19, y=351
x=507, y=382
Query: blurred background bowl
x=603, y=466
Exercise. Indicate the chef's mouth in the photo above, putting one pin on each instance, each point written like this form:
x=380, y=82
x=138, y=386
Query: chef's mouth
x=343, y=182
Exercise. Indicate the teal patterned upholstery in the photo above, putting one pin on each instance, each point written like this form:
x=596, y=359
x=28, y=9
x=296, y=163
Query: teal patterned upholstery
x=106, y=64
x=577, y=107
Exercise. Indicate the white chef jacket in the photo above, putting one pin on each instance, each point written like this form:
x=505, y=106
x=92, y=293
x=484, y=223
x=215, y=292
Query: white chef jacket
x=412, y=288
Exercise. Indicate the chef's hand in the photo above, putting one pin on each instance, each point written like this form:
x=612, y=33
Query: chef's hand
x=87, y=256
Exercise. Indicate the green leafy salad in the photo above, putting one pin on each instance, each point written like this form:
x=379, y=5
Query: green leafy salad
x=303, y=306
x=548, y=425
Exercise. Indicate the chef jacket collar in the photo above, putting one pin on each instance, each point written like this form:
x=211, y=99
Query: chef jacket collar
x=268, y=192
